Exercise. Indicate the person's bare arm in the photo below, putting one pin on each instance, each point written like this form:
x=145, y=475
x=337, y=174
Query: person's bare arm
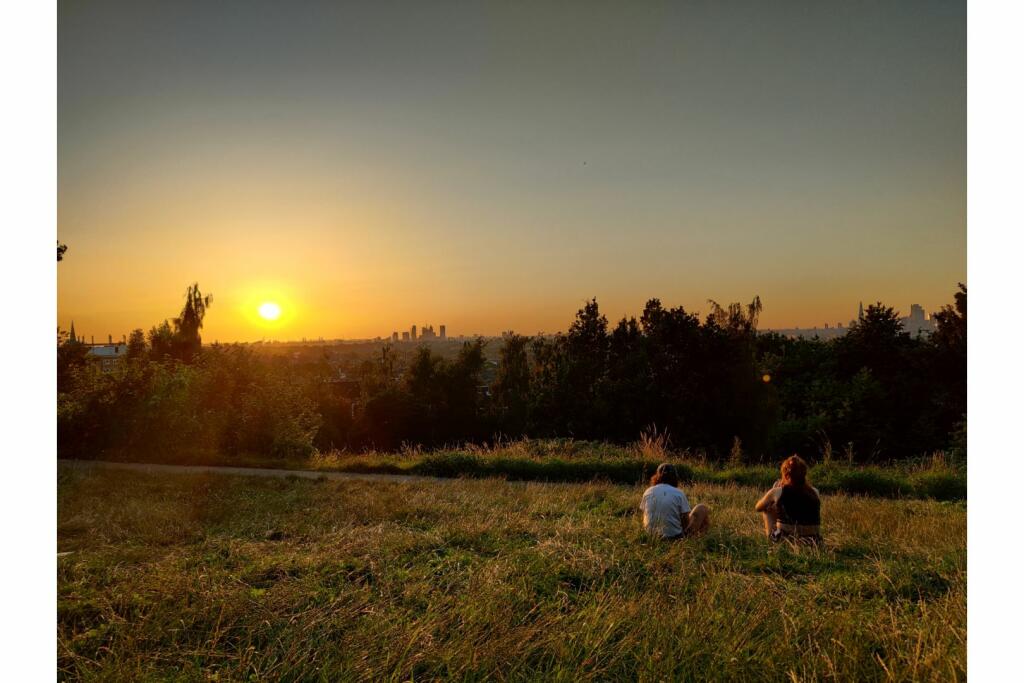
x=767, y=501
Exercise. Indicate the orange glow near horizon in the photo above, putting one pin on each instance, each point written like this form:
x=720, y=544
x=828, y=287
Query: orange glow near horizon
x=337, y=163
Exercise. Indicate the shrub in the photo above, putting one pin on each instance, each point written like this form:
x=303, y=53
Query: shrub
x=941, y=485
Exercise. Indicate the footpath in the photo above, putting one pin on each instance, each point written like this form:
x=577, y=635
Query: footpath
x=151, y=468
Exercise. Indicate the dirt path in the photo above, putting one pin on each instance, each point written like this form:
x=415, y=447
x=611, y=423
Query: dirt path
x=243, y=471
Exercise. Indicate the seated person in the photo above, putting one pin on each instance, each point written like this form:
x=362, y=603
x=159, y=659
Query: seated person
x=792, y=509
x=667, y=512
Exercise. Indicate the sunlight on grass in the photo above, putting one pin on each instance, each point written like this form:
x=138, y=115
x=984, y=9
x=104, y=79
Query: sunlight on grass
x=203, y=575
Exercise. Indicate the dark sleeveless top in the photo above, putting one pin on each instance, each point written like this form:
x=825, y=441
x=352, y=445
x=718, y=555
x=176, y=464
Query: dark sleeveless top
x=798, y=506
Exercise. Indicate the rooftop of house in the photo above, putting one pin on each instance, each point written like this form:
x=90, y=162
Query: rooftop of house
x=108, y=350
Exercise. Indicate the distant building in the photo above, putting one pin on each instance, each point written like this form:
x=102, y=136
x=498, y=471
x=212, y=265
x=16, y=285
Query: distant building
x=444, y=335
x=394, y=336
x=917, y=323
x=412, y=333
x=427, y=332
x=405, y=336
x=107, y=355
x=811, y=332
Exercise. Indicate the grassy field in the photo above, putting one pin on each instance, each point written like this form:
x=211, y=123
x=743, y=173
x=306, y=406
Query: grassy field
x=936, y=477
x=211, y=577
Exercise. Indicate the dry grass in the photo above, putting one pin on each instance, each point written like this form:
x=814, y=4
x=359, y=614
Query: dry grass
x=199, y=577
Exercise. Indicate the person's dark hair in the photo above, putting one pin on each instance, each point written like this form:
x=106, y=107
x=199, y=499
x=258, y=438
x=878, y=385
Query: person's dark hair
x=665, y=474
x=794, y=473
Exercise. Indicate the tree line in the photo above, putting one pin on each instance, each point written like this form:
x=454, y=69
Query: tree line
x=714, y=385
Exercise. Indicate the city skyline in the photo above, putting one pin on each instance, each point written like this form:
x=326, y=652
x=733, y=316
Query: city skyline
x=498, y=166
x=916, y=319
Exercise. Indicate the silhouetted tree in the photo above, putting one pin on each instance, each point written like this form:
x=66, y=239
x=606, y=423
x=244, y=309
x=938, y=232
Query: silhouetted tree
x=187, y=340
x=890, y=386
x=676, y=355
x=161, y=341
x=950, y=343
x=136, y=345
x=736, y=319
x=875, y=342
x=951, y=325
x=71, y=355
x=61, y=248
x=548, y=395
x=876, y=390
x=586, y=347
x=462, y=393
x=512, y=386
x=629, y=381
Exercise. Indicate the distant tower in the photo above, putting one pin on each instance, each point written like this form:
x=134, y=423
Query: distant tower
x=860, y=311
x=110, y=339
x=92, y=340
x=71, y=337
x=394, y=336
x=444, y=334
x=412, y=333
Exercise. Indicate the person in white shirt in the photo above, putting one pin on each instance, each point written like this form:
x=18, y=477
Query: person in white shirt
x=667, y=512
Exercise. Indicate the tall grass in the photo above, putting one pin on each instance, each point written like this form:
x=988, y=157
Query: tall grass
x=574, y=461
x=194, y=577
x=565, y=460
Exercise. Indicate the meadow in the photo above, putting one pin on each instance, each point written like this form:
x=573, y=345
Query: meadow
x=214, y=577
x=937, y=477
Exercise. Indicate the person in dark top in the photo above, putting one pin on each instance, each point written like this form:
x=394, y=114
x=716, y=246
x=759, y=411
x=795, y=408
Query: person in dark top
x=792, y=508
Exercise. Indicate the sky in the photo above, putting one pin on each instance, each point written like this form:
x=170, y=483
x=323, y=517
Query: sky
x=493, y=165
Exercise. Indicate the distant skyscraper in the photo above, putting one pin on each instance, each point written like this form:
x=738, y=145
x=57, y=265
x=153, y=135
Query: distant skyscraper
x=444, y=335
x=916, y=323
x=394, y=336
x=412, y=333
x=405, y=336
x=72, y=337
x=860, y=311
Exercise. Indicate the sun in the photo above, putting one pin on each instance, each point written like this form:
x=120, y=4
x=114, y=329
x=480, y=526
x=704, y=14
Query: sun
x=270, y=311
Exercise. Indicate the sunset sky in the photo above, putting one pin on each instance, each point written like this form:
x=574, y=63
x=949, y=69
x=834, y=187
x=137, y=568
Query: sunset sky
x=369, y=166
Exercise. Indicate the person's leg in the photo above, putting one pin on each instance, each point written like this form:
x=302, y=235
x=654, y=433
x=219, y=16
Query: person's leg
x=769, y=521
x=700, y=519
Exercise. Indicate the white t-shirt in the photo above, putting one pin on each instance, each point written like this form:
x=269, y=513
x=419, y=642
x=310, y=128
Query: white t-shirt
x=664, y=506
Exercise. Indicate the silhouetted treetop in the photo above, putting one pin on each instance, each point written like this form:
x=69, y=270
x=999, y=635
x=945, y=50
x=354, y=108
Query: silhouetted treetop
x=951, y=322
x=735, y=318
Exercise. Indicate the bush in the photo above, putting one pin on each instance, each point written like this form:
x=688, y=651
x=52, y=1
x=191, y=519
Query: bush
x=871, y=481
x=941, y=485
x=227, y=404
